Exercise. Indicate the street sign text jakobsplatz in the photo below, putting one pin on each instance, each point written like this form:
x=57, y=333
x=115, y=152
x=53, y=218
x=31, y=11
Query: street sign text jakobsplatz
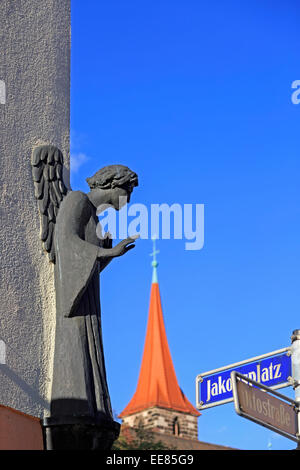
x=215, y=387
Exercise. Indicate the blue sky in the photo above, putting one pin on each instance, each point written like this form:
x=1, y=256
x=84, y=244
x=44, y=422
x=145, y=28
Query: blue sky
x=195, y=96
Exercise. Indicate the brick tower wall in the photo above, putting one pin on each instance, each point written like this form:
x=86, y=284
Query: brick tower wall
x=163, y=420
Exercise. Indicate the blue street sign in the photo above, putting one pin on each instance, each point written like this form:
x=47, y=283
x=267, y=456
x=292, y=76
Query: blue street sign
x=216, y=388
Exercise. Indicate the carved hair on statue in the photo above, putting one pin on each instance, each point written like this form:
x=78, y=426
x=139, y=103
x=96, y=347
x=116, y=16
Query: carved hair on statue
x=113, y=176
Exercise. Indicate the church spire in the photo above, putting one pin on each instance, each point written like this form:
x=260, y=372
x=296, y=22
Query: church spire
x=157, y=384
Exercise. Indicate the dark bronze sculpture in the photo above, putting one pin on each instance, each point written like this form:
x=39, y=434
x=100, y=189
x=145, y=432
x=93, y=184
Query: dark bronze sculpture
x=81, y=414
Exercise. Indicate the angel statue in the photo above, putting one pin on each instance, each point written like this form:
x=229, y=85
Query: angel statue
x=81, y=413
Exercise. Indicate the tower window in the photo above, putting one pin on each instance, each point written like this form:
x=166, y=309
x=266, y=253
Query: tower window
x=138, y=422
x=176, y=427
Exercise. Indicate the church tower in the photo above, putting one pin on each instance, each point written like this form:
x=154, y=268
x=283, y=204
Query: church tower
x=158, y=404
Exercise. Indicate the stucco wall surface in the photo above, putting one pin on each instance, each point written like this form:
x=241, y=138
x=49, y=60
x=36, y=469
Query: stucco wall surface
x=35, y=68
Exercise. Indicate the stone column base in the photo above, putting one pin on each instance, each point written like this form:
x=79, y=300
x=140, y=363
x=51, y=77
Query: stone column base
x=79, y=433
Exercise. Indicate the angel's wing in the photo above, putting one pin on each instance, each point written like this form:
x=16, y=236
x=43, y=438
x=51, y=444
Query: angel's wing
x=47, y=172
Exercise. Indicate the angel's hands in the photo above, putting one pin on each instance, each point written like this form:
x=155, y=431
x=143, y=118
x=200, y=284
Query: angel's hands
x=120, y=249
x=124, y=246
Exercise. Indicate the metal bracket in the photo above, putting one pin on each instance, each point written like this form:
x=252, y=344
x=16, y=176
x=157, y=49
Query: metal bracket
x=295, y=383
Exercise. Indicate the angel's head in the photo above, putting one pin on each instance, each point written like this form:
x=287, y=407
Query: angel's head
x=113, y=185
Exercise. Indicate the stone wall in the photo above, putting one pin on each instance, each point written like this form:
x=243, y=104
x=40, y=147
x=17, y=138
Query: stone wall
x=34, y=109
x=162, y=420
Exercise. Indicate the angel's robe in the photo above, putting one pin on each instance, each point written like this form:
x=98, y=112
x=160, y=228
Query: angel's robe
x=79, y=386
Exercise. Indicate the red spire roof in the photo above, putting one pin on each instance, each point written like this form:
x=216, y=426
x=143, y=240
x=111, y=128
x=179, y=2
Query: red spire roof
x=157, y=384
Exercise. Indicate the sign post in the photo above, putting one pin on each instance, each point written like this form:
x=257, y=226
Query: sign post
x=295, y=349
x=252, y=385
